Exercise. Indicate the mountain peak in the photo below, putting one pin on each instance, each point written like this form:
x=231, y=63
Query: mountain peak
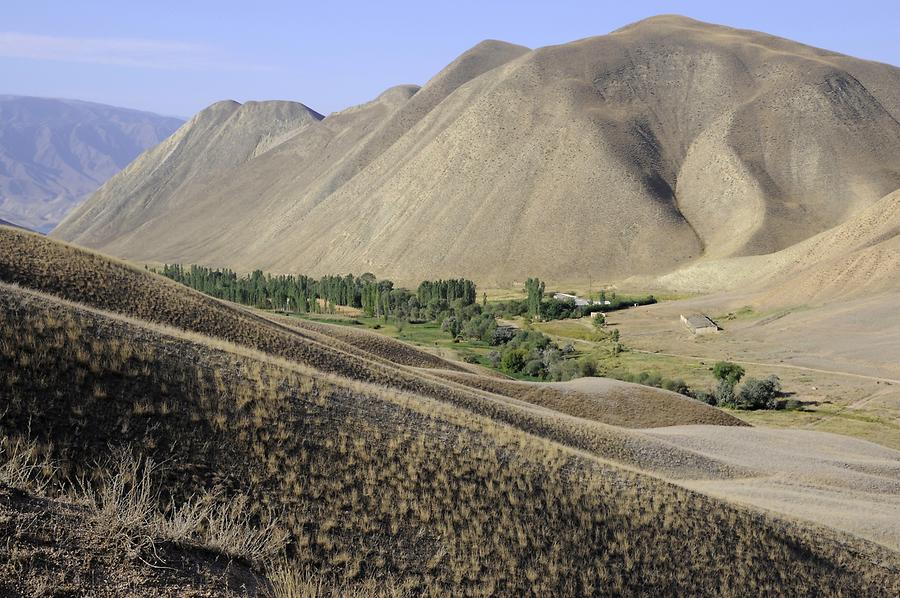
x=668, y=21
x=645, y=150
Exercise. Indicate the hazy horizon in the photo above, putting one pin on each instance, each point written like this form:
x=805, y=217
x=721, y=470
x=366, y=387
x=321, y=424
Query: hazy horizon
x=175, y=59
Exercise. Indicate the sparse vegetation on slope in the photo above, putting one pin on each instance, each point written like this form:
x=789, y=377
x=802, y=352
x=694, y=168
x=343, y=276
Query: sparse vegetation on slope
x=415, y=482
x=89, y=278
x=369, y=483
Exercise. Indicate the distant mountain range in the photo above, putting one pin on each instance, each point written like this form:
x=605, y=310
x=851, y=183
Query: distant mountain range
x=13, y=224
x=662, y=145
x=54, y=153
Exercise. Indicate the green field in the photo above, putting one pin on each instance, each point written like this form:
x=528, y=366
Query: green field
x=428, y=335
x=878, y=427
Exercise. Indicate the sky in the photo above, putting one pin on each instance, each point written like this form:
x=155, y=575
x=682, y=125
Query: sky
x=176, y=58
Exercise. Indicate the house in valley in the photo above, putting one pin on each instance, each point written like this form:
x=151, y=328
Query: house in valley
x=699, y=324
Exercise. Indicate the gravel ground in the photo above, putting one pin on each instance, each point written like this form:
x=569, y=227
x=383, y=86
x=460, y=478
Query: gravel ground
x=844, y=483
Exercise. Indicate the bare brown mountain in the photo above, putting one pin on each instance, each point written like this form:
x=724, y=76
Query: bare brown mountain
x=860, y=256
x=216, y=140
x=637, y=152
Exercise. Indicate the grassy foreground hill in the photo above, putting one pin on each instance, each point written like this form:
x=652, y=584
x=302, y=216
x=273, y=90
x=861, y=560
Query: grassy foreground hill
x=364, y=473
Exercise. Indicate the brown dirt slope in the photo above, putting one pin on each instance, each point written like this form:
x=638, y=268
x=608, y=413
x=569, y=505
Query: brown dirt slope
x=610, y=401
x=851, y=485
x=84, y=277
x=643, y=150
x=370, y=482
x=220, y=137
x=858, y=257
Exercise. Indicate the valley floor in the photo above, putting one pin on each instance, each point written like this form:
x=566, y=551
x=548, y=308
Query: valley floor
x=832, y=480
x=830, y=461
x=840, y=361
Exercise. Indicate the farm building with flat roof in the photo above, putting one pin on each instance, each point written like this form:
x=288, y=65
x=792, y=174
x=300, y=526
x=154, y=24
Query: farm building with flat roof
x=699, y=324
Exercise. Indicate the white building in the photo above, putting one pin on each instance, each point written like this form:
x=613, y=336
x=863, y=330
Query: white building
x=578, y=300
x=567, y=297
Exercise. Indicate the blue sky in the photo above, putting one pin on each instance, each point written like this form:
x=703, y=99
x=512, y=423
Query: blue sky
x=178, y=57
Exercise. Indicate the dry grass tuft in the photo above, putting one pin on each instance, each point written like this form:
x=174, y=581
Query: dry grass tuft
x=288, y=581
x=23, y=465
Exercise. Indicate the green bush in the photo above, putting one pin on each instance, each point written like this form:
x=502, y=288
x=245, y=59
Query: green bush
x=649, y=379
x=451, y=325
x=481, y=327
x=725, y=394
x=534, y=368
x=513, y=360
x=704, y=396
x=587, y=367
x=677, y=385
x=562, y=370
x=759, y=394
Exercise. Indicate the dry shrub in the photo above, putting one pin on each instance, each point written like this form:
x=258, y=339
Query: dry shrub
x=289, y=581
x=25, y=466
x=124, y=504
x=231, y=529
x=125, y=510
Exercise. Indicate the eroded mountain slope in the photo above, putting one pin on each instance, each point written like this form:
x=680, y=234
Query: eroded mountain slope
x=631, y=153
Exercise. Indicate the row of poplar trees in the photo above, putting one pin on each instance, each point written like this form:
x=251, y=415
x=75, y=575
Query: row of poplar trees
x=303, y=294
x=447, y=290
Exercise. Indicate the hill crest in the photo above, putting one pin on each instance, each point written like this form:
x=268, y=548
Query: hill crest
x=662, y=144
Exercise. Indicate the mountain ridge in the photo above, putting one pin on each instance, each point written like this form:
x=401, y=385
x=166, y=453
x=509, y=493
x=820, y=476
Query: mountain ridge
x=635, y=153
x=54, y=152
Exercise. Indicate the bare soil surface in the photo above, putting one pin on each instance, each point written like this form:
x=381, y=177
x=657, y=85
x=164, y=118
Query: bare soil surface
x=833, y=480
x=841, y=361
x=50, y=549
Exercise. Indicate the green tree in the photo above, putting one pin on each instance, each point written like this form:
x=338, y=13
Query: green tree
x=385, y=304
x=513, y=360
x=725, y=394
x=534, y=287
x=451, y=325
x=759, y=394
x=726, y=371
x=587, y=367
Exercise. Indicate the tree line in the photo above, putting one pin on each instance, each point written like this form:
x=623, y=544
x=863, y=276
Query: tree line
x=536, y=306
x=303, y=294
x=446, y=290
